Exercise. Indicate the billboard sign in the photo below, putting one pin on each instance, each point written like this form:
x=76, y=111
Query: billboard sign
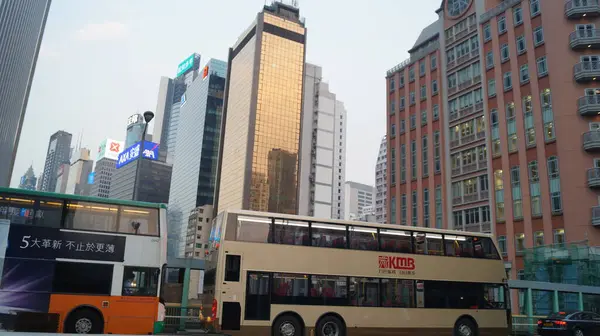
x=130, y=154
x=205, y=72
x=110, y=148
x=91, y=178
x=134, y=119
x=184, y=66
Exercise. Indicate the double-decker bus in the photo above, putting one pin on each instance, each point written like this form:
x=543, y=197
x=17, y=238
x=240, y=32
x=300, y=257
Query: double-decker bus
x=79, y=264
x=275, y=274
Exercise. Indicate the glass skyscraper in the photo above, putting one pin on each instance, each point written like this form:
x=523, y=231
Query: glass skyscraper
x=258, y=164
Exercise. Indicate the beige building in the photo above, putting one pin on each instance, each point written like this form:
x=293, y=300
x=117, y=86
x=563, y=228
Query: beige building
x=198, y=231
x=258, y=164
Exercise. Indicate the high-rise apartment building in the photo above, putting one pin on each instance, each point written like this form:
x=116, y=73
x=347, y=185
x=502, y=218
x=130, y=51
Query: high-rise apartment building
x=380, y=208
x=28, y=180
x=323, y=149
x=21, y=27
x=258, y=164
x=58, y=153
x=198, y=227
x=510, y=70
x=198, y=138
x=358, y=200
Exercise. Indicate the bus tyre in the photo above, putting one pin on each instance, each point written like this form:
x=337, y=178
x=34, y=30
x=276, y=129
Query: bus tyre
x=84, y=321
x=330, y=326
x=465, y=327
x=287, y=325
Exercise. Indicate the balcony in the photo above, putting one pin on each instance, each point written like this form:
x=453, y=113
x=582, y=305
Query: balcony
x=593, y=176
x=591, y=141
x=576, y=9
x=585, y=39
x=589, y=105
x=469, y=168
x=586, y=71
x=596, y=216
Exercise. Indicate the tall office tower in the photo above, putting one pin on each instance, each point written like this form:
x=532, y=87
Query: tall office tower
x=170, y=92
x=106, y=160
x=358, y=200
x=323, y=149
x=262, y=115
x=197, y=145
x=59, y=152
x=21, y=27
x=79, y=172
x=380, y=209
x=520, y=66
x=28, y=180
x=135, y=128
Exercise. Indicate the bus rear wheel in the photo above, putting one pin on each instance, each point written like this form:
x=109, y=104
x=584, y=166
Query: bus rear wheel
x=287, y=325
x=330, y=326
x=465, y=327
x=84, y=321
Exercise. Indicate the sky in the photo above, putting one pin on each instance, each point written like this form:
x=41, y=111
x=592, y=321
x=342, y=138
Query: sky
x=101, y=61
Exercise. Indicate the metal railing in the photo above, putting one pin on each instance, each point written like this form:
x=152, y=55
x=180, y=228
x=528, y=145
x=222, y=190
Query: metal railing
x=591, y=140
x=584, y=35
x=586, y=68
x=179, y=318
x=596, y=215
x=593, y=176
x=586, y=101
x=524, y=326
x=581, y=6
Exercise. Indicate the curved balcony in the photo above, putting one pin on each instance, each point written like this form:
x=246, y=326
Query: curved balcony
x=596, y=216
x=588, y=105
x=576, y=9
x=586, y=71
x=591, y=141
x=593, y=176
x=585, y=39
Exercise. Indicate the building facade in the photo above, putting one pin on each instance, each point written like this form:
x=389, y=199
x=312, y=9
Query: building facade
x=511, y=69
x=198, y=227
x=359, y=199
x=58, y=153
x=106, y=161
x=258, y=164
x=323, y=154
x=135, y=128
x=62, y=177
x=28, y=180
x=78, y=173
x=154, y=182
x=22, y=28
x=380, y=209
x=198, y=138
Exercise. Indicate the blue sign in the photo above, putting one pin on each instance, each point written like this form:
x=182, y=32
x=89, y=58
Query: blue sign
x=133, y=152
x=182, y=99
x=91, y=177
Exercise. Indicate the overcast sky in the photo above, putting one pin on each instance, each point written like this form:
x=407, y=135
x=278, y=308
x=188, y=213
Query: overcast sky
x=101, y=61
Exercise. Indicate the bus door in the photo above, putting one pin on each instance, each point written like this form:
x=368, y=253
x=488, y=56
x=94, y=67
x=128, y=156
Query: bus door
x=232, y=293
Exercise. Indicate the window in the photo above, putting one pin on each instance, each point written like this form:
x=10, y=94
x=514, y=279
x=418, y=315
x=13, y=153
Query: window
x=289, y=232
x=436, y=152
x=412, y=98
x=457, y=220
x=462, y=295
x=534, y=189
x=507, y=81
x=423, y=93
x=496, y=150
x=425, y=155
x=502, y=245
x=402, y=80
x=489, y=60
x=402, y=210
x=492, y=88
x=402, y=126
x=363, y=238
x=364, y=292
x=438, y=207
x=524, y=74
x=426, y=208
x=542, y=66
x=521, y=45
x=487, y=32
x=422, y=68
x=141, y=281
x=392, y=84
x=413, y=121
x=518, y=15
x=411, y=74
x=414, y=208
x=499, y=187
x=511, y=127
x=329, y=290
x=520, y=242
x=501, y=25
x=424, y=118
x=393, y=166
x=559, y=236
x=547, y=115
x=413, y=159
x=528, y=122
x=91, y=216
x=433, y=62
x=504, y=54
x=436, y=112
x=392, y=105
x=392, y=210
x=393, y=130
x=289, y=288
x=327, y=235
x=232, y=266
x=36, y=211
x=534, y=6
x=515, y=180
x=554, y=179
x=402, y=103
x=538, y=239
x=402, y=163
x=434, y=87
x=77, y=277
x=397, y=293
x=258, y=292
x=538, y=36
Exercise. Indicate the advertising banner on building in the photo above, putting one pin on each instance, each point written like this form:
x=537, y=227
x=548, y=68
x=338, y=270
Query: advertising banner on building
x=184, y=66
x=110, y=148
x=130, y=154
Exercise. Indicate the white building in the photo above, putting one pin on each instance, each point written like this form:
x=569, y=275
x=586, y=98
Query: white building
x=323, y=154
x=358, y=199
x=381, y=183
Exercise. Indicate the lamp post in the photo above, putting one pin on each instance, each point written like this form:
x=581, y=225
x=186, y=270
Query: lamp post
x=148, y=116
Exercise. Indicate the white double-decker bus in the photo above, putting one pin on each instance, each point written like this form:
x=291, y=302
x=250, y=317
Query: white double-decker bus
x=275, y=274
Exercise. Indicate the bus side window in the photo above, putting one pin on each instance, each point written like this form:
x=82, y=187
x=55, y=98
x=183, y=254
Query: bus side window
x=232, y=267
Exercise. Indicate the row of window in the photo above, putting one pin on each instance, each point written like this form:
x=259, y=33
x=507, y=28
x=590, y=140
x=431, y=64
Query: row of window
x=461, y=27
x=78, y=215
x=464, y=75
x=412, y=96
x=411, y=72
x=335, y=290
x=339, y=236
x=469, y=189
x=471, y=216
x=534, y=6
x=426, y=209
x=534, y=186
x=437, y=166
x=538, y=240
x=466, y=131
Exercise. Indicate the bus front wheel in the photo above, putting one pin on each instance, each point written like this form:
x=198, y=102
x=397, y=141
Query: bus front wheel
x=287, y=325
x=465, y=327
x=330, y=325
x=84, y=321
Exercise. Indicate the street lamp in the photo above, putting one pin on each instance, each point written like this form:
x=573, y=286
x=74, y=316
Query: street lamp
x=148, y=116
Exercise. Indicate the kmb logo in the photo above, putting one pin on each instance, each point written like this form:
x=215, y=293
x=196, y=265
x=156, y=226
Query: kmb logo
x=115, y=147
x=399, y=263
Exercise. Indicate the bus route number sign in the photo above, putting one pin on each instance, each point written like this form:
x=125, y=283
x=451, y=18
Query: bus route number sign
x=396, y=265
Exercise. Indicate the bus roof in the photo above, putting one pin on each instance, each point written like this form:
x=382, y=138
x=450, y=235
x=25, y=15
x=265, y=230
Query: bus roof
x=357, y=223
x=35, y=193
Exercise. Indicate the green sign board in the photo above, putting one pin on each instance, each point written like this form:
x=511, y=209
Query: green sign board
x=185, y=65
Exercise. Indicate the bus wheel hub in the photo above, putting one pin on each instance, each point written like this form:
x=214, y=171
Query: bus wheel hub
x=287, y=329
x=83, y=326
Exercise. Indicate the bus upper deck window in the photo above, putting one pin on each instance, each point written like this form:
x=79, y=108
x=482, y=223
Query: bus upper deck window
x=135, y=220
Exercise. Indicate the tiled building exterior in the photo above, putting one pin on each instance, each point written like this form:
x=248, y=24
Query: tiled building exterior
x=519, y=108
